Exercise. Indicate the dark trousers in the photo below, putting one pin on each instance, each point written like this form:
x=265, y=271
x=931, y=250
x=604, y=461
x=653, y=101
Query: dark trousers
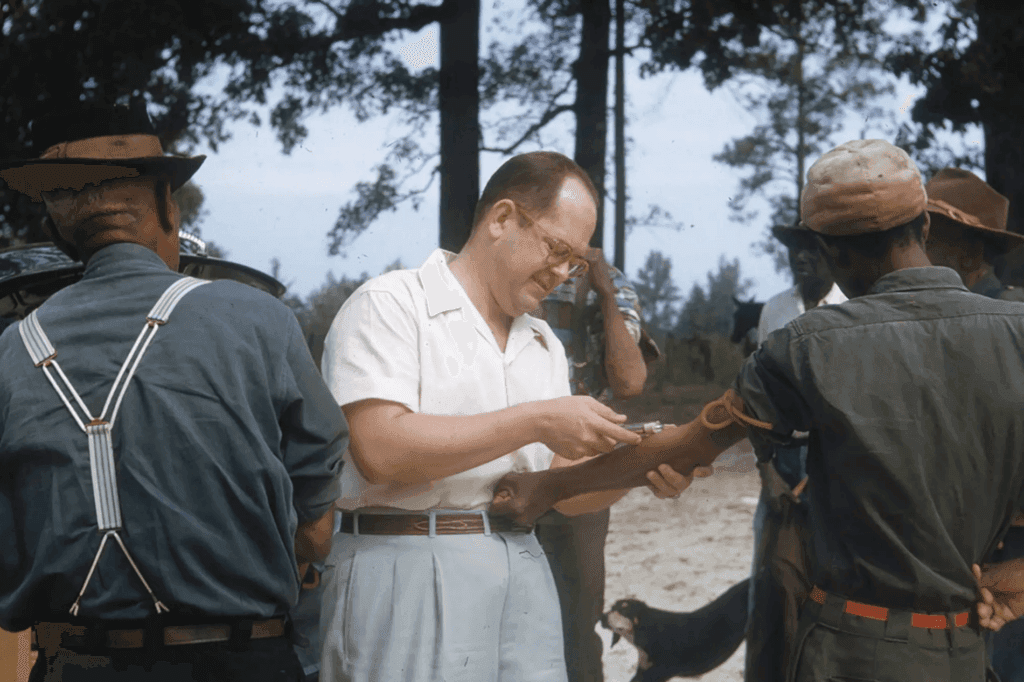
x=1006, y=647
x=838, y=646
x=575, y=550
x=262, y=660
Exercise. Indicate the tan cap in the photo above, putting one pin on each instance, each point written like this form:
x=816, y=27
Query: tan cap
x=862, y=186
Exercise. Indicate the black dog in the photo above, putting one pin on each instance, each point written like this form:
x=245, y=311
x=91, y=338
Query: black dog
x=680, y=644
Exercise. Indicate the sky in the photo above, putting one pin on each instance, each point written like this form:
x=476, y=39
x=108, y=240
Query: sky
x=261, y=204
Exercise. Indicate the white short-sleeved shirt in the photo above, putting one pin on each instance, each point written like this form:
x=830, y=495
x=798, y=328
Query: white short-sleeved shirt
x=789, y=305
x=414, y=337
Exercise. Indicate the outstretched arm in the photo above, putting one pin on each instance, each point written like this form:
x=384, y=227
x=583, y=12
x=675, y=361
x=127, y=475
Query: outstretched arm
x=721, y=424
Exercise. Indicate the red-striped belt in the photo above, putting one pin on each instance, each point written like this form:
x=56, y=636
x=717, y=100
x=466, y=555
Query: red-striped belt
x=918, y=620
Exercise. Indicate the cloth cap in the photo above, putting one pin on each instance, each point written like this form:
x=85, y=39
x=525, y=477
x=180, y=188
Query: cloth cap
x=92, y=143
x=860, y=187
x=966, y=199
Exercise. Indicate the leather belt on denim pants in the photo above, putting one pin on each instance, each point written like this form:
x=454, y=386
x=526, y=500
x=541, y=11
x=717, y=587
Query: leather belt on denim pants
x=50, y=636
x=918, y=620
x=420, y=524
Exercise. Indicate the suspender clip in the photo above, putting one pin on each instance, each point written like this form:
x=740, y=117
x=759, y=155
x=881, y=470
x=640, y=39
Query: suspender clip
x=97, y=422
x=47, y=361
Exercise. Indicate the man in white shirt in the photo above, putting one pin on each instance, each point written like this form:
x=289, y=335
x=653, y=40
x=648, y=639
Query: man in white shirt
x=447, y=385
x=813, y=283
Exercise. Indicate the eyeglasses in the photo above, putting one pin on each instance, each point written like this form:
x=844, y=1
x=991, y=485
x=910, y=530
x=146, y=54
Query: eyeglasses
x=558, y=251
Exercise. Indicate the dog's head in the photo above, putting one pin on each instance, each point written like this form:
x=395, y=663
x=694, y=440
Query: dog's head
x=622, y=618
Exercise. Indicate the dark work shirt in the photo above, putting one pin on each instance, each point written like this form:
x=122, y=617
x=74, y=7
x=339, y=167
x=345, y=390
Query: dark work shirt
x=914, y=399
x=227, y=438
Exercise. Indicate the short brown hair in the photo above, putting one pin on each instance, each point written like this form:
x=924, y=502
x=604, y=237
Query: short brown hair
x=532, y=180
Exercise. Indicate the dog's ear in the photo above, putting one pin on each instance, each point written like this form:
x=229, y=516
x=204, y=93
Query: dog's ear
x=615, y=638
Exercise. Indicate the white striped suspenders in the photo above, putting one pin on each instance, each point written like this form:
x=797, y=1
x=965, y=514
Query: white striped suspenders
x=97, y=429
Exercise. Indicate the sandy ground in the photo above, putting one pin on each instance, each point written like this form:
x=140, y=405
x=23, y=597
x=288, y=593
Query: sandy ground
x=680, y=554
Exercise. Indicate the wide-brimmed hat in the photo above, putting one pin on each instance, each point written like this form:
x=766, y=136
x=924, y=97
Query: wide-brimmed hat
x=966, y=199
x=860, y=187
x=791, y=235
x=92, y=143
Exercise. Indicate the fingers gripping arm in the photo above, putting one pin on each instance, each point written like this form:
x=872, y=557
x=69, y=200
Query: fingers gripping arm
x=720, y=425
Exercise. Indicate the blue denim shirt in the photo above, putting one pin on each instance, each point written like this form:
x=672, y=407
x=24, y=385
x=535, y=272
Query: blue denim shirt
x=226, y=440
x=914, y=399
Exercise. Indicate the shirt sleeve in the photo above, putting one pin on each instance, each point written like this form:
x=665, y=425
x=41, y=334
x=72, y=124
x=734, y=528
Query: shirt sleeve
x=313, y=431
x=371, y=351
x=628, y=303
x=770, y=385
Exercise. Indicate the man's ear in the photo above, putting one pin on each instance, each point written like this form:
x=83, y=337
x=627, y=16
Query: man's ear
x=51, y=231
x=500, y=217
x=173, y=210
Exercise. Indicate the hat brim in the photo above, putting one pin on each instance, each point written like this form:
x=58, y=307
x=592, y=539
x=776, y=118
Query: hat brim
x=51, y=271
x=32, y=177
x=789, y=235
x=1010, y=240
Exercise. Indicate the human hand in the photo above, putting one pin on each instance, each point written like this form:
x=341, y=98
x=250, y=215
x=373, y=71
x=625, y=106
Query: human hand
x=667, y=483
x=580, y=426
x=599, y=274
x=1001, y=590
x=523, y=497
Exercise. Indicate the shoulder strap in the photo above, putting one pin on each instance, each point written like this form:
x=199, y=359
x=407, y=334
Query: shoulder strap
x=102, y=467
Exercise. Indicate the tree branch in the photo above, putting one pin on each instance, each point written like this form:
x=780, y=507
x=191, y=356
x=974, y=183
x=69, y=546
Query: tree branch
x=548, y=116
x=365, y=24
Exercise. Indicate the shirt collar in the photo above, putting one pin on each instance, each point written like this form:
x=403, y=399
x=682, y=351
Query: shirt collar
x=121, y=257
x=915, y=279
x=444, y=293
x=442, y=290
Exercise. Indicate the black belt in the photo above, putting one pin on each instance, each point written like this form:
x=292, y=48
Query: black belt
x=419, y=524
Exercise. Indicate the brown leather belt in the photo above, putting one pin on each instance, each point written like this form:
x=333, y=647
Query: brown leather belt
x=419, y=524
x=918, y=620
x=51, y=636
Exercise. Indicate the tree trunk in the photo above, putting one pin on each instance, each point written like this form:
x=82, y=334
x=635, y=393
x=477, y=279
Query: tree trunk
x=1001, y=37
x=591, y=107
x=1000, y=41
x=459, y=106
x=620, y=135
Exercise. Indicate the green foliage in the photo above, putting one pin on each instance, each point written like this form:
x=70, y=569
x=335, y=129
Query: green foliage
x=803, y=81
x=657, y=292
x=320, y=54
x=320, y=308
x=709, y=311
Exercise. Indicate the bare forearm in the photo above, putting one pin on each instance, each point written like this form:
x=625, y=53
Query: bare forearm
x=589, y=502
x=683, y=448
x=313, y=539
x=524, y=497
x=416, y=448
x=623, y=363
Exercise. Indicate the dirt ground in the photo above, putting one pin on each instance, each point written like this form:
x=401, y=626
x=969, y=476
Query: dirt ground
x=680, y=554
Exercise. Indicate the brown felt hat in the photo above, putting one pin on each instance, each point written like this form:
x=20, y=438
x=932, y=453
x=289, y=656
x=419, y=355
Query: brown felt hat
x=92, y=143
x=968, y=200
x=860, y=187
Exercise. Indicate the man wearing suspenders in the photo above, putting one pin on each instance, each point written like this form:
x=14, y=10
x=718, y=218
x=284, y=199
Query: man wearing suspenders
x=168, y=451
